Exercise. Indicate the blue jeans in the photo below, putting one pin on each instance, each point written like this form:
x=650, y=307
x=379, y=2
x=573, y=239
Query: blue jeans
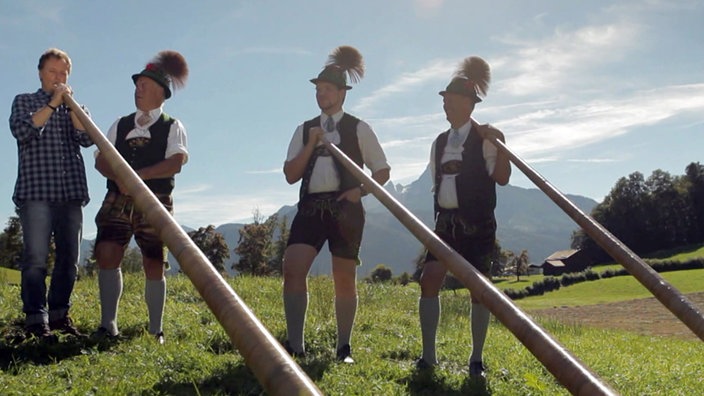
x=39, y=220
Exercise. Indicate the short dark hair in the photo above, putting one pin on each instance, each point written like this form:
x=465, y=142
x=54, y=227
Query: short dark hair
x=54, y=53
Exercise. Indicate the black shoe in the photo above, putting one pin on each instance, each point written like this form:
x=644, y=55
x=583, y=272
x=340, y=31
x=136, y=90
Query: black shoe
x=344, y=354
x=287, y=347
x=160, y=338
x=65, y=326
x=422, y=364
x=102, y=332
x=477, y=370
x=40, y=331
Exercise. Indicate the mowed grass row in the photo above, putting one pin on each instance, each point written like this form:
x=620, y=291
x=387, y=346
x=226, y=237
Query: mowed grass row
x=198, y=358
x=614, y=289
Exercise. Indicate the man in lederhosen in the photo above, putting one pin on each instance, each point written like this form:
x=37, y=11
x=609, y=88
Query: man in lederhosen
x=465, y=168
x=330, y=207
x=154, y=144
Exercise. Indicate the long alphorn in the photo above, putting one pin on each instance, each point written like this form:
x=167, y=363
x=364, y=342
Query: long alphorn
x=667, y=294
x=276, y=371
x=567, y=369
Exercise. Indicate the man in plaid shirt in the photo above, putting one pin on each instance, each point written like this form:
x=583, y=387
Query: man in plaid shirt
x=50, y=193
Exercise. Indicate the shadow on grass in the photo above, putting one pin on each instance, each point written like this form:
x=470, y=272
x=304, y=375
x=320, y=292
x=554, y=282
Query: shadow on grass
x=233, y=379
x=433, y=382
x=16, y=350
x=238, y=379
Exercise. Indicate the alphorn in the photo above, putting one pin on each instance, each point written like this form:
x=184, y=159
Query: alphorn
x=667, y=294
x=271, y=364
x=565, y=367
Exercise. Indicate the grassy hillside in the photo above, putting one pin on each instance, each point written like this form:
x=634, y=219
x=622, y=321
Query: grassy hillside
x=198, y=358
x=9, y=276
x=611, y=290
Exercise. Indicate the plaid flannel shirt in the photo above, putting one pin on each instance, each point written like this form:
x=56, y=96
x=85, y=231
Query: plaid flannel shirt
x=50, y=164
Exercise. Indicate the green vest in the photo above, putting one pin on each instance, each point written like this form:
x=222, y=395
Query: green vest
x=349, y=144
x=143, y=152
x=476, y=190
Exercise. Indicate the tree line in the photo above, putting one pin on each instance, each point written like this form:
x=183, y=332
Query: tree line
x=649, y=215
x=260, y=248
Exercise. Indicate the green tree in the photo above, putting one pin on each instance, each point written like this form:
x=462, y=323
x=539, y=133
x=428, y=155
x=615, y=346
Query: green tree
x=213, y=246
x=90, y=265
x=255, y=247
x=500, y=259
x=521, y=264
x=132, y=260
x=380, y=274
x=279, y=248
x=509, y=259
x=661, y=212
x=694, y=177
x=668, y=211
x=403, y=279
x=11, y=244
x=624, y=212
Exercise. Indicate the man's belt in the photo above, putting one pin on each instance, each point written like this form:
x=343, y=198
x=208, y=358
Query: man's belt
x=451, y=167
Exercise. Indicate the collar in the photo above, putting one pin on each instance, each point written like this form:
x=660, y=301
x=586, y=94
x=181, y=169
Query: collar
x=463, y=131
x=43, y=93
x=335, y=117
x=154, y=113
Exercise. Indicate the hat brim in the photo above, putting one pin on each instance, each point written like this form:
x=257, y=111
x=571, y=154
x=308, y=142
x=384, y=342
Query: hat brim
x=317, y=80
x=148, y=74
x=476, y=98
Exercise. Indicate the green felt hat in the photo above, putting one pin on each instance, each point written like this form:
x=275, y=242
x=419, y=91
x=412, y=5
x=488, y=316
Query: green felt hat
x=462, y=86
x=156, y=73
x=344, y=61
x=334, y=75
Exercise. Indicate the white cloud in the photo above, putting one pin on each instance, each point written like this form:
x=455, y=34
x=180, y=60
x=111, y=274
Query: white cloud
x=198, y=206
x=564, y=59
x=555, y=130
x=550, y=131
x=436, y=70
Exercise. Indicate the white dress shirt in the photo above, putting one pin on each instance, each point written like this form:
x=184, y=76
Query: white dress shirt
x=176, y=143
x=324, y=177
x=447, y=193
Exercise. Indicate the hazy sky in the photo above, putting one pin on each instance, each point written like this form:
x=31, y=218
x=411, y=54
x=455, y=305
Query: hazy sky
x=586, y=92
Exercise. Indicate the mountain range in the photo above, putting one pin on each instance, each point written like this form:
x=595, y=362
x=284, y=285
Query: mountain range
x=527, y=220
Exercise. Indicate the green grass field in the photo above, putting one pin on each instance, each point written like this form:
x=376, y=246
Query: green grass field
x=198, y=358
x=9, y=276
x=614, y=289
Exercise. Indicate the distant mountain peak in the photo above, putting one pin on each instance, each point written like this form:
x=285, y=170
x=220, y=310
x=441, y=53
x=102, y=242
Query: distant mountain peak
x=527, y=219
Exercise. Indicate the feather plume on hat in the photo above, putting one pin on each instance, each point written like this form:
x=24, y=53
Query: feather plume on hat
x=476, y=70
x=168, y=68
x=345, y=61
x=350, y=60
x=471, y=79
x=174, y=65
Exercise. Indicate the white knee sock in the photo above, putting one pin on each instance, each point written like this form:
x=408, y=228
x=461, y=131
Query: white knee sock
x=295, y=306
x=110, y=290
x=429, y=311
x=479, y=316
x=155, y=296
x=345, y=311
